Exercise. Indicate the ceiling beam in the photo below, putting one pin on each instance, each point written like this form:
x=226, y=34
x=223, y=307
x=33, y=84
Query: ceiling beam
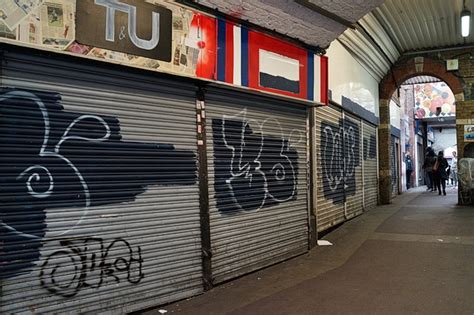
x=326, y=13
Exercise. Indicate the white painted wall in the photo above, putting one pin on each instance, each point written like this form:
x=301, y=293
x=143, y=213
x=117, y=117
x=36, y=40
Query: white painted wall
x=348, y=78
x=395, y=114
x=446, y=138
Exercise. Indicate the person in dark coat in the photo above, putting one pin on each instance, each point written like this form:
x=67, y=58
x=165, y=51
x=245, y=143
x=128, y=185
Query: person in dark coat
x=440, y=173
x=428, y=163
x=409, y=169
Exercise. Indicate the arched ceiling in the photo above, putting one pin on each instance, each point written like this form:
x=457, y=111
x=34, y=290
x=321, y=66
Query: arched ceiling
x=406, y=27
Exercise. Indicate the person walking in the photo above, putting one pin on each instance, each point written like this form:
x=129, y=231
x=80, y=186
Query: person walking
x=428, y=167
x=440, y=173
x=409, y=169
x=454, y=169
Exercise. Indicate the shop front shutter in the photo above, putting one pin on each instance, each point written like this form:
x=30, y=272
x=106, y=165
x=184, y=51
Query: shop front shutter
x=258, y=194
x=99, y=190
x=394, y=165
x=330, y=168
x=369, y=161
x=353, y=166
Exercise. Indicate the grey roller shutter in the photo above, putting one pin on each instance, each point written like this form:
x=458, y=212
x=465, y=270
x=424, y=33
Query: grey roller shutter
x=353, y=166
x=99, y=194
x=329, y=168
x=369, y=161
x=258, y=195
x=394, y=165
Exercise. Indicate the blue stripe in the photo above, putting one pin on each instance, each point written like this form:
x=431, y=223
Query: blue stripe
x=221, y=32
x=245, y=56
x=310, y=85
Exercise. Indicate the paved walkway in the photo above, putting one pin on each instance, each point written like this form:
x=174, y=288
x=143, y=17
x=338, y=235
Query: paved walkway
x=413, y=256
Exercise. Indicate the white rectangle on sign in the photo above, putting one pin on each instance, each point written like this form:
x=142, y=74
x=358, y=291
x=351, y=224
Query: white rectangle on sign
x=279, y=72
x=317, y=79
x=279, y=65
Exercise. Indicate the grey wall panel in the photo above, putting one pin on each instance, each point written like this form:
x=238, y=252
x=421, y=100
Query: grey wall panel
x=99, y=193
x=257, y=162
x=369, y=161
x=329, y=168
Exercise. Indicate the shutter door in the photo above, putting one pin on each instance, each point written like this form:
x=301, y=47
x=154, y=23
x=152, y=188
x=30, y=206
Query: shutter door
x=353, y=166
x=369, y=140
x=420, y=158
x=329, y=168
x=99, y=193
x=394, y=166
x=257, y=162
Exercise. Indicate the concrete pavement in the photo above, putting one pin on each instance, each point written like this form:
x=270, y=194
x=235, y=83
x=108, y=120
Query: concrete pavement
x=415, y=256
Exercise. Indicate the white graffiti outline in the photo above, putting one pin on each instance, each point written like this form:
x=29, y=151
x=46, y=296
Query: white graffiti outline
x=246, y=169
x=37, y=177
x=350, y=134
x=44, y=152
x=347, y=171
x=333, y=181
x=281, y=167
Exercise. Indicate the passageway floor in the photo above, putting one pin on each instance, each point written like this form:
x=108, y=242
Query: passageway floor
x=415, y=255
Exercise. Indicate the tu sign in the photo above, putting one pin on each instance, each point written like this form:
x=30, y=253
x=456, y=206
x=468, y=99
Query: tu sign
x=130, y=26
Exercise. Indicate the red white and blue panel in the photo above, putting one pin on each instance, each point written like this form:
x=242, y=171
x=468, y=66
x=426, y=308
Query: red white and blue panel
x=258, y=61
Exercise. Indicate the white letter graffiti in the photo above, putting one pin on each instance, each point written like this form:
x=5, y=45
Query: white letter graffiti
x=47, y=152
x=261, y=171
x=131, y=11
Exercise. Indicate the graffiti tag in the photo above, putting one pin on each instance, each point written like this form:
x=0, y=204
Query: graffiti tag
x=88, y=263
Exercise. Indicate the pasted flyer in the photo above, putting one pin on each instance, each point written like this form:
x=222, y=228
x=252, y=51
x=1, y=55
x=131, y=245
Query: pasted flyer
x=57, y=23
x=12, y=12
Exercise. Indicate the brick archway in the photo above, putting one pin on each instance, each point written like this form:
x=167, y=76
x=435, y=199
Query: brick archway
x=417, y=66
x=400, y=72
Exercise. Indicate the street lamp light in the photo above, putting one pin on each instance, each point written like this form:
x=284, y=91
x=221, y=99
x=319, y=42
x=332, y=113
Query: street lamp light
x=465, y=22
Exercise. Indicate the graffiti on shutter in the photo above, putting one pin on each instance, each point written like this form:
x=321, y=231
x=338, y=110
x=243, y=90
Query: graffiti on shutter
x=253, y=168
x=340, y=151
x=370, y=147
x=52, y=158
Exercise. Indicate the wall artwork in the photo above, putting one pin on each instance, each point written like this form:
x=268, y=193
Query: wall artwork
x=154, y=35
x=53, y=158
x=254, y=166
x=168, y=37
x=434, y=100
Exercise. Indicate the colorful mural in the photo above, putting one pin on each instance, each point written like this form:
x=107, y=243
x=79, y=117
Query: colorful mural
x=434, y=100
x=168, y=37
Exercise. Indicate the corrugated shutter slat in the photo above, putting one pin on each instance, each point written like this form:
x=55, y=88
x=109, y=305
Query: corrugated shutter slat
x=257, y=182
x=110, y=221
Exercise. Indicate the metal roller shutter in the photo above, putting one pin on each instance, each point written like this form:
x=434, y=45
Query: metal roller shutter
x=394, y=165
x=369, y=143
x=353, y=166
x=257, y=162
x=329, y=168
x=99, y=195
